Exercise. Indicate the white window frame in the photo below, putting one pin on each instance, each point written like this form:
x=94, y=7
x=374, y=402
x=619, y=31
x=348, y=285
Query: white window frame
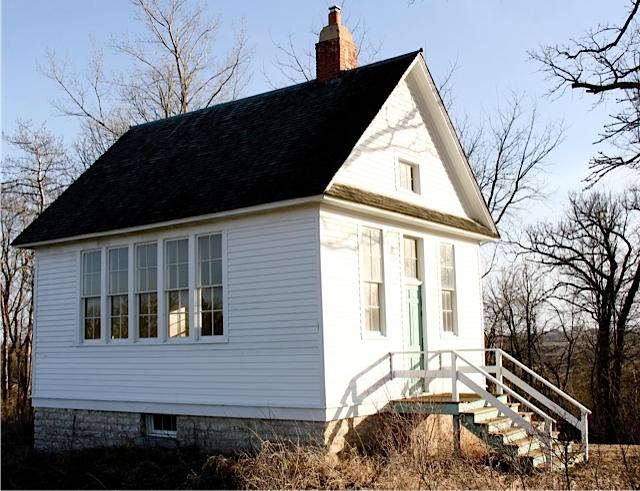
x=136, y=293
x=83, y=297
x=408, y=158
x=224, y=337
x=382, y=333
x=109, y=295
x=454, y=296
x=104, y=245
x=189, y=289
x=151, y=431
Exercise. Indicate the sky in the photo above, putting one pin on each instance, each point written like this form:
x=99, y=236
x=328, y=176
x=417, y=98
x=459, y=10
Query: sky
x=486, y=40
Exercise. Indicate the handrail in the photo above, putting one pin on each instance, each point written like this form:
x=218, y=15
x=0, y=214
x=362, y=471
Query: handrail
x=540, y=378
x=508, y=389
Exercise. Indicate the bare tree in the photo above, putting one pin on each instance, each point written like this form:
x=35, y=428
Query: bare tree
x=595, y=252
x=33, y=175
x=173, y=70
x=508, y=152
x=515, y=308
x=606, y=64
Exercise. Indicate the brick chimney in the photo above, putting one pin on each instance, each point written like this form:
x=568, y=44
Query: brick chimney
x=335, y=51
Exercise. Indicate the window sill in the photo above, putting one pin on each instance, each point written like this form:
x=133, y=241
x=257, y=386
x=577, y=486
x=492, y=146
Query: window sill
x=373, y=336
x=155, y=342
x=449, y=334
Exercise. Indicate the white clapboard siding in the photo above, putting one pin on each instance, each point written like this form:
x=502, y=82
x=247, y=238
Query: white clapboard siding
x=273, y=354
x=401, y=131
x=356, y=365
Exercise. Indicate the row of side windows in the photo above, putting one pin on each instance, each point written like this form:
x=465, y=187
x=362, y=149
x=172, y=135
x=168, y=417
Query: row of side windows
x=209, y=289
x=373, y=290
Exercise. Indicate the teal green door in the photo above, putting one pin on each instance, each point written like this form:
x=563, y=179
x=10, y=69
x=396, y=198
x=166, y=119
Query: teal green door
x=413, y=316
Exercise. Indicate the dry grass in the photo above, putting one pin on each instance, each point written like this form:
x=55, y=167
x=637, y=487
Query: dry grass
x=278, y=466
x=406, y=455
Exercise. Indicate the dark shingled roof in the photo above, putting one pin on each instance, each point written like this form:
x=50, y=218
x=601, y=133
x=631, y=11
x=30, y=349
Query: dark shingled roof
x=276, y=146
x=379, y=201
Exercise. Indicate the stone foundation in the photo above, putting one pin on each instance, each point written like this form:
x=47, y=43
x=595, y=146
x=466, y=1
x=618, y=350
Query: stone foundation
x=56, y=429
x=65, y=429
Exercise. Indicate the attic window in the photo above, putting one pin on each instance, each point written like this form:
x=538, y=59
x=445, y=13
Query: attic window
x=408, y=178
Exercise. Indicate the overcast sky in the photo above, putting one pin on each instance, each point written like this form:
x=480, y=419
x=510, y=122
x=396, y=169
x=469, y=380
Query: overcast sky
x=487, y=40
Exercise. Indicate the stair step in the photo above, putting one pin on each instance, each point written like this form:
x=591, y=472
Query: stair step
x=482, y=413
x=494, y=425
x=535, y=457
x=510, y=434
x=524, y=445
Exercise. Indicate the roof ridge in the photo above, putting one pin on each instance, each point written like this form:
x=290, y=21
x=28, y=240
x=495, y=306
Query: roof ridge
x=274, y=91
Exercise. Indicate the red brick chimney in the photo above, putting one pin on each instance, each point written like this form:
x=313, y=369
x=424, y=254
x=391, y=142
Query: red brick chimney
x=335, y=50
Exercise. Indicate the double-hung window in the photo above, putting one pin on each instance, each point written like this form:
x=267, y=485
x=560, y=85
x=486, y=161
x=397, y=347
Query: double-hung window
x=210, y=285
x=147, y=289
x=119, y=292
x=91, y=281
x=371, y=243
x=177, y=287
x=448, y=287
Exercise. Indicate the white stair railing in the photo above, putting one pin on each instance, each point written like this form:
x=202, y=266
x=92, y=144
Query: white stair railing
x=457, y=372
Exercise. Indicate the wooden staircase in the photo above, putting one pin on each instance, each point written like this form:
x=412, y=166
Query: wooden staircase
x=510, y=420
x=514, y=443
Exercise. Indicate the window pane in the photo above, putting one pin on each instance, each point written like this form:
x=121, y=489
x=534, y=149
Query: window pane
x=410, y=257
x=372, y=254
x=216, y=246
x=92, y=318
x=143, y=326
x=217, y=298
x=205, y=277
x=92, y=307
x=203, y=248
x=152, y=278
x=207, y=324
x=446, y=300
x=183, y=250
x=205, y=299
x=218, y=323
x=147, y=315
x=178, y=320
x=146, y=270
x=183, y=275
x=172, y=254
x=91, y=273
x=216, y=272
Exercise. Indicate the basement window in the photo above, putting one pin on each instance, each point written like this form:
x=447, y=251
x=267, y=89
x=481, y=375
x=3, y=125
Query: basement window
x=163, y=425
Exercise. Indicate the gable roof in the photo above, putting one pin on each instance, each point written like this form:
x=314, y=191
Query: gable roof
x=275, y=146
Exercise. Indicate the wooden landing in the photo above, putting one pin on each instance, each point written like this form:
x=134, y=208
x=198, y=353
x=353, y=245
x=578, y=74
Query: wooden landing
x=440, y=398
x=438, y=403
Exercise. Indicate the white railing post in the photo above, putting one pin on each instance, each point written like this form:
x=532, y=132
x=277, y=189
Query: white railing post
x=454, y=377
x=391, y=364
x=499, y=389
x=548, y=441
x=584, y=423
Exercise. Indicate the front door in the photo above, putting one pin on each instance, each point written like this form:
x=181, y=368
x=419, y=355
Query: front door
x=413, y=309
